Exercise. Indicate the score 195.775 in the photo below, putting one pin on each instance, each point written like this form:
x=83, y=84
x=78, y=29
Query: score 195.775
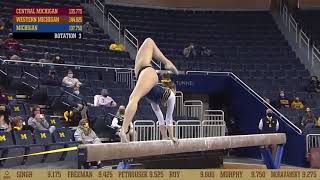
x=75, y=11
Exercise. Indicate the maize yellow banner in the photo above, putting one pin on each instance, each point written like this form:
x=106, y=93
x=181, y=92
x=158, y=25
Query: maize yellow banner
x=192, y=174
x=43, y=152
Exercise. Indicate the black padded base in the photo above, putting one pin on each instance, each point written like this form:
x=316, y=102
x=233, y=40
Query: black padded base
x=194, y=160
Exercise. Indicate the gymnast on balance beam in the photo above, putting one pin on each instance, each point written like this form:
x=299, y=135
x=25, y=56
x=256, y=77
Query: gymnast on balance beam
x=147, y=80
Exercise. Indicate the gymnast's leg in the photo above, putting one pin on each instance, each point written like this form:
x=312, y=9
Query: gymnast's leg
x=162, y=127
x=146, y=80
x=170, y=107
x=160, y=57
x=150, y=49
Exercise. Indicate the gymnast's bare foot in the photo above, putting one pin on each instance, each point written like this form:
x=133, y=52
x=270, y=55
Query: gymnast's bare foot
x=170, y=66
x=123, y=136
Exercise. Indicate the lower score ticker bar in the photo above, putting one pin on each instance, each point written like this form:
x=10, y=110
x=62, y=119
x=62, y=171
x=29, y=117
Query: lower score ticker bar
x=53, y=35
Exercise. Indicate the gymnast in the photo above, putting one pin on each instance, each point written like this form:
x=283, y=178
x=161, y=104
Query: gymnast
x=147, y=79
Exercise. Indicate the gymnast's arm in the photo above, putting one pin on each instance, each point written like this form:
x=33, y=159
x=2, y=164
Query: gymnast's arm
x=173, y=88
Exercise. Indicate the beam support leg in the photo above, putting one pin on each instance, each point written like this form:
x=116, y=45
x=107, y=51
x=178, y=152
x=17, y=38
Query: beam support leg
x=278, y=157
x=267, y=156
x=123, y=165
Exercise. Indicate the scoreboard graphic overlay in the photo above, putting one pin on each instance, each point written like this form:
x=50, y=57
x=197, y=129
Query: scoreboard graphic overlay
x=47, y=22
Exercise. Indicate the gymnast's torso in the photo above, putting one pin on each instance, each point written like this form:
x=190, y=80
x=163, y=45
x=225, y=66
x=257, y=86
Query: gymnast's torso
x=158, y=94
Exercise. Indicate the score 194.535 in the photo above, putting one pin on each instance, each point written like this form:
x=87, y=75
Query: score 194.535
x=75, y=28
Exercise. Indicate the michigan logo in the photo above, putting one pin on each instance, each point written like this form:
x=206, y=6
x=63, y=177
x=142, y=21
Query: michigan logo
x=6, y=175
x=23, y=136
x=43, y=135
x=3, y=138
x=61, y=134
x=53, y=121
x=16, y=109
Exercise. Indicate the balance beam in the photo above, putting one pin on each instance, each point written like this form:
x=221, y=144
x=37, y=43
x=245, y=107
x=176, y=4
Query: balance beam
x=114, y=151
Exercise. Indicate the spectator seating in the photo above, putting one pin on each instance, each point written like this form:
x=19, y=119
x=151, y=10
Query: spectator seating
x=17, y=110
x=96, y=111
x=28, y=108
x=55, y=121
x=247, y=43
x=101, y=126
x=65, y=136
x=308, y=21
x=20, y=143
x=255, y=50
x=25, y=139
x=45, y=138
x=9, y=149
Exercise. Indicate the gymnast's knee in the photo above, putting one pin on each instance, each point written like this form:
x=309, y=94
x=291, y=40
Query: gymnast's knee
x=161, y=123
x=134, y=98
x=169, y=122
x=149, y=40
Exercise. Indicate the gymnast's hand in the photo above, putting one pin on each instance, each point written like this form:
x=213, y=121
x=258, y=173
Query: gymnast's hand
x=123, y=136
x=174, y=140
